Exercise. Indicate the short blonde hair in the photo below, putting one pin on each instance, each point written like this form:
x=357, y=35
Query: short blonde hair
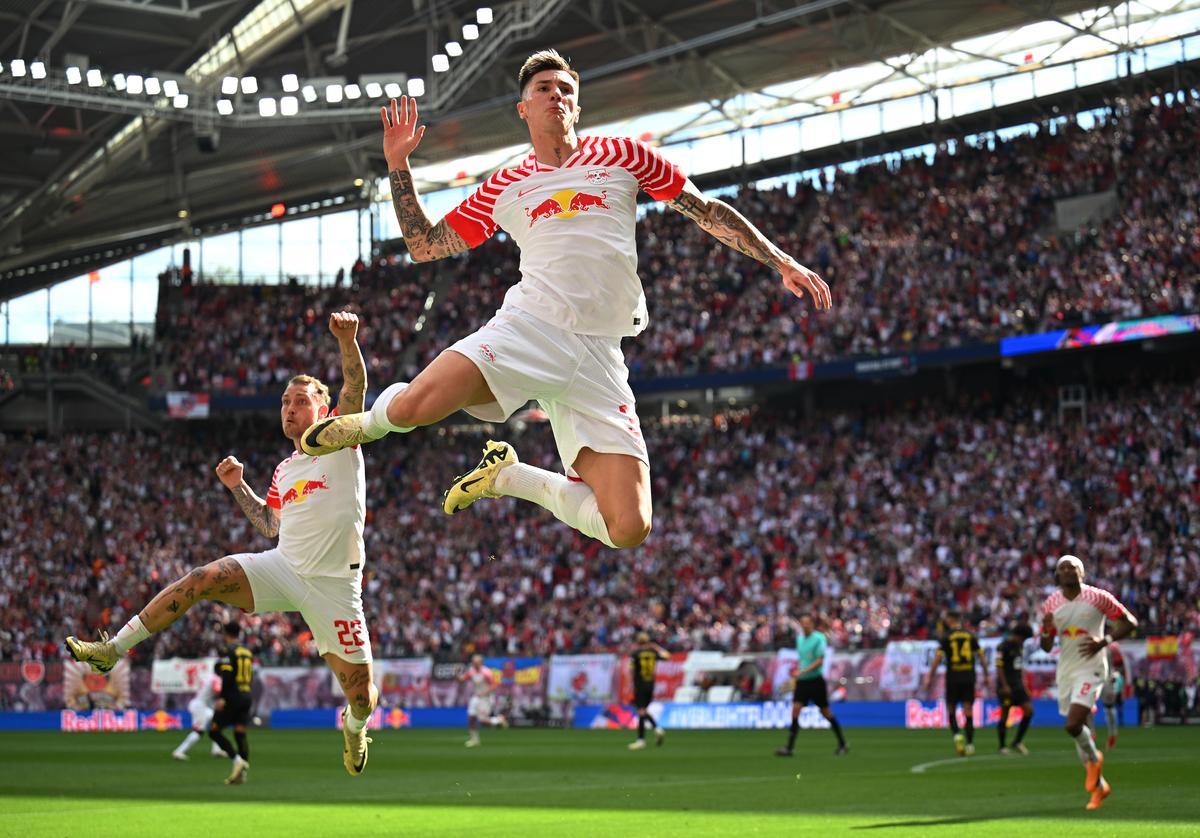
x=546, y=59
x=320, y=388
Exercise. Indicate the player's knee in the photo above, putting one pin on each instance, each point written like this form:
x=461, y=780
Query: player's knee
x=1073, y=729
x=628, y=529
x=412, y=407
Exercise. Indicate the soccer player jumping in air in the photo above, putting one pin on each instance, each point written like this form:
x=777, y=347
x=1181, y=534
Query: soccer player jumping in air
x=570, y=207
x=1076, y=614
x=317, y=508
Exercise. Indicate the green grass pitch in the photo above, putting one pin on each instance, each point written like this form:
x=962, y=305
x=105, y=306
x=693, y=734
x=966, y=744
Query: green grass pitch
x=573, y=783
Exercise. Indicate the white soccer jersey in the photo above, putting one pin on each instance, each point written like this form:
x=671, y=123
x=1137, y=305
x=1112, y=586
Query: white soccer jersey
x=575, y=227
x=322, y=508
x=1077, y=619
x=480, y=680
x=207, y=694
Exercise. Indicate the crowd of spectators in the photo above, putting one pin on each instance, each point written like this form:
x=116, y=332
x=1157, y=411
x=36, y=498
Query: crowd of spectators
x=879, y=520
x=920, y=254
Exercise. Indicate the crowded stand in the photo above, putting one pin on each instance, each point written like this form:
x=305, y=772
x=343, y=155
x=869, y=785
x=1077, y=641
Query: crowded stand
x=879, y=519
x=920, y=255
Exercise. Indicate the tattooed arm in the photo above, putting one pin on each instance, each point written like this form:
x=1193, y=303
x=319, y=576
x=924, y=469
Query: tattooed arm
x=344, y=327
x=426, y=241
x=401, y=136
x=262, y=517
x=731, y=228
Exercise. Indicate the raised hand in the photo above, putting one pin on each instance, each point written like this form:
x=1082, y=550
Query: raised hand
x=343, y=325
x=401, y=134
x=229, y=472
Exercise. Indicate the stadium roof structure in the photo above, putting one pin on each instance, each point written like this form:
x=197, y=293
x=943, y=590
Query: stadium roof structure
x=125, y=124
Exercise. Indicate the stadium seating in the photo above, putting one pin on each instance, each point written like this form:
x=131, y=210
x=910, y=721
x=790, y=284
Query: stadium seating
x=920, y=255
x=877, y=520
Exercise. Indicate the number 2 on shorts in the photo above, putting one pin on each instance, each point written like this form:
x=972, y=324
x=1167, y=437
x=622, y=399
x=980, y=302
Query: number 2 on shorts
x=348, y=632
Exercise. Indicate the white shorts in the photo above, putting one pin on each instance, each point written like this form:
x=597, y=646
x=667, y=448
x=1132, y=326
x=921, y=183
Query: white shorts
x=480, y=707
x=201, y=714
x=1080, y=688
x=330, y=605
x=581, y=381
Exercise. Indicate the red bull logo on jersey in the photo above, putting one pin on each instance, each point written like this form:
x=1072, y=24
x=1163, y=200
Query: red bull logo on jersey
x=566, y=203
x=1074, y=631
x=301, y=490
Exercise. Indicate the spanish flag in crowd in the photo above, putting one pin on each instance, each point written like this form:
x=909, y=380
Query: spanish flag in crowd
x=1162, y=647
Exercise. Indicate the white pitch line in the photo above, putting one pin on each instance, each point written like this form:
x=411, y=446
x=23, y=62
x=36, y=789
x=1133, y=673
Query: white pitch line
x=920, y=769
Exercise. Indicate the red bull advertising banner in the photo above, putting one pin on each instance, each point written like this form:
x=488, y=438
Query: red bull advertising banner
x=120, y=721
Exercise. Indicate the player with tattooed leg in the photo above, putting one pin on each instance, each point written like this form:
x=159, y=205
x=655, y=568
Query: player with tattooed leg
x=316, y=507
x=570, y=207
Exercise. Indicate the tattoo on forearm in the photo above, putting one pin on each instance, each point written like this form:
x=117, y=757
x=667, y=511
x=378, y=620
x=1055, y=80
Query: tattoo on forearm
x=257, y=512
x=728, y=226
x=173, y=607
x=426, y=241
x=354, y=373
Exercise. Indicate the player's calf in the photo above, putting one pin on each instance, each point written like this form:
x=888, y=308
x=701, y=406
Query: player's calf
x=222, y=581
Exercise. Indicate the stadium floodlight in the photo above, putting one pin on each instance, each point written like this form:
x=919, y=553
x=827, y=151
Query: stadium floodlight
x=353, y=91
x=37, y=69
x=94, y=78
x=374, y=89
x=224, y=107
x=453, y=49
x=289, y=105
x=266, y=106
x=170, y=88
x=470, y=32
x=249, y=85
x=118, y=80
x=416, y=87
x=180, y=100
x=333, y=93
x=133, y=84
x=229, y=85
x=393, y=90
x=291, y=83
x=309, y=93
x=74, y=75
x=153, y=86
x=440, y=63
x=18, y=68
x=484, y=15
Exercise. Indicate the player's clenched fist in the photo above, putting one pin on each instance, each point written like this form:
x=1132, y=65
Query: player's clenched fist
x=343, y=324
x=229, y=472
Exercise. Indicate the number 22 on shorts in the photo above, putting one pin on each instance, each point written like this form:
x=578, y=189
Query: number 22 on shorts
x=348, y=632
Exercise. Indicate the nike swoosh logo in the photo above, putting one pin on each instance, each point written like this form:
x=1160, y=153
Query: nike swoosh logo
x=311, y=439
x=522, y=194
x=468, y=483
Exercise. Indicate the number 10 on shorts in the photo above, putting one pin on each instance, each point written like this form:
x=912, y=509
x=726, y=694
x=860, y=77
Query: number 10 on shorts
x=348, y=632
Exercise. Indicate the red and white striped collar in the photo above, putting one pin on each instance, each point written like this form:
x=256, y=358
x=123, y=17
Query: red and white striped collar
x=533, y=164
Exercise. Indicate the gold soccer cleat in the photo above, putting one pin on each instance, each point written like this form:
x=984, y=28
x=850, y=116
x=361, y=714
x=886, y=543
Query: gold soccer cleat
x=101, y=655
x=478, y=482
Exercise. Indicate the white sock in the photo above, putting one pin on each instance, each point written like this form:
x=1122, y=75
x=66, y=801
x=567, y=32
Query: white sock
x=186, y=744
x=377, y=423
x=1110, y=718
x=571, y=502
x=1087, y=745
x=130, y=635
x=352, y=722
